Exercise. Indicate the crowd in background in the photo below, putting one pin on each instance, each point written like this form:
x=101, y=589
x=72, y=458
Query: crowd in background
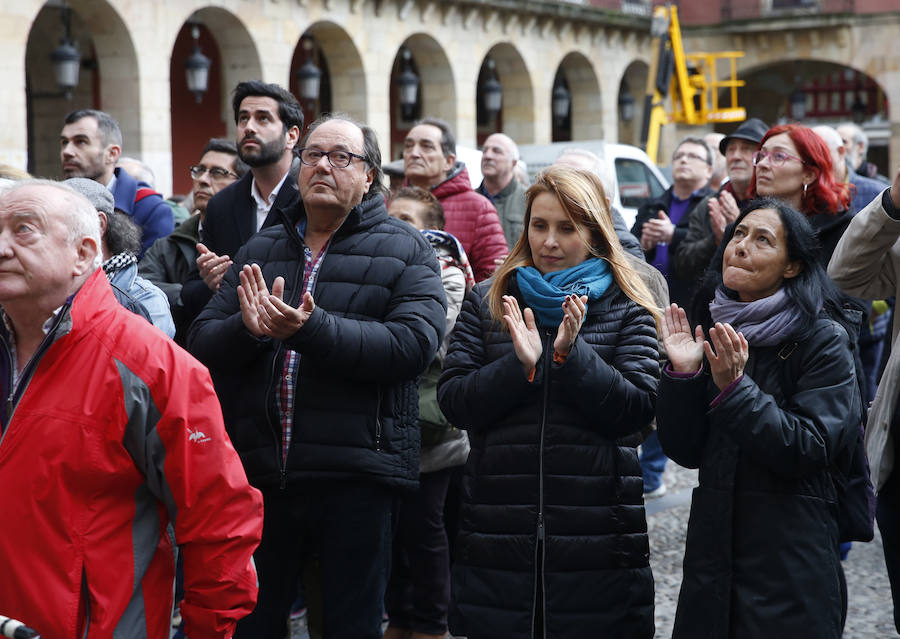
x=445, y=406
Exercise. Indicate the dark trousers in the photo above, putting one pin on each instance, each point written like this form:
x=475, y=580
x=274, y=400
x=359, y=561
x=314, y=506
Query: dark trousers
x=888, y=515
x=343, y=528
x=418, y=593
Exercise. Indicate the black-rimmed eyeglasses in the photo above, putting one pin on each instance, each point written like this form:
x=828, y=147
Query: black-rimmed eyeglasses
x=215, y=172
x=337, y=159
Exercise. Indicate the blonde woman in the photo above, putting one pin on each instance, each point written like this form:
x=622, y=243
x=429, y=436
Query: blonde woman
x=553, y=369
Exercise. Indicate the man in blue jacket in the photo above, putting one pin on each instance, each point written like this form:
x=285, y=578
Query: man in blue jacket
x=315, y=339
x=90, y=146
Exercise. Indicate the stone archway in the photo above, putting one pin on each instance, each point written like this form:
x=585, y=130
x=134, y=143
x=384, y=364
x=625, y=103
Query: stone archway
x=634, y=84
x=345, y=66
x=107, y=81
x=437, y=87
x=831, y=90
x=586, y=122
x=518, y=110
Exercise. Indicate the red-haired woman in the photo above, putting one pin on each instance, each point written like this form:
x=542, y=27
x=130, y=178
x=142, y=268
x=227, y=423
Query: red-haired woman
x=793, y=164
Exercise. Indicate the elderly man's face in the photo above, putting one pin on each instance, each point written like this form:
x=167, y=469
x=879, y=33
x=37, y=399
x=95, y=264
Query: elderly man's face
x=423, y=158
x=325, y=187
x=38, y=260
x=497, y=158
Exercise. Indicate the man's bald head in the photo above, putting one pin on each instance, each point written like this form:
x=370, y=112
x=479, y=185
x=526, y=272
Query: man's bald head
x=498, y=161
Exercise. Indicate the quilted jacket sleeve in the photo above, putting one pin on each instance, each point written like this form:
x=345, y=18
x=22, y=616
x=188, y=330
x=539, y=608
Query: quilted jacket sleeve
x=472, y=391
x=681, y=420
x=625, y=390
x=399, y=347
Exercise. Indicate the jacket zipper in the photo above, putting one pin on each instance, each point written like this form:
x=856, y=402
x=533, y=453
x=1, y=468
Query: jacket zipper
x=15, y=394
x=279, y=453
x=540, y=556
x=378, y=427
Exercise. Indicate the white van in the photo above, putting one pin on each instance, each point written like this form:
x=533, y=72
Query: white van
x=638, y=179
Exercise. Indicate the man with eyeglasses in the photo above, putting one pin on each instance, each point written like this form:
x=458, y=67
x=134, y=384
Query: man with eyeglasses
x=269, y=120
x=707, y=221
x=169, y=262
x=661, y=224
x=315, y=340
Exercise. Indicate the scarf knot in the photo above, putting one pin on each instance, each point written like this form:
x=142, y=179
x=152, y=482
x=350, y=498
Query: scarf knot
x=544, y=294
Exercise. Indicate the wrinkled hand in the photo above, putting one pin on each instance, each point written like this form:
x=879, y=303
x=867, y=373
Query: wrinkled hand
x=524, y=333
x=722, y=212
x=212, y=267
x=656, y=231
x=267, y=314
x=732, y=351
x=684, y=350
x=574, y=310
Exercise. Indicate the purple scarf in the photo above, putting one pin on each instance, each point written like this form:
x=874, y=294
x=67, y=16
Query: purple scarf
x=766, y=322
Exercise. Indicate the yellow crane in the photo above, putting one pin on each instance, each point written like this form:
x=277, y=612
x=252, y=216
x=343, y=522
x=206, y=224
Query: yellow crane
x=689, y=79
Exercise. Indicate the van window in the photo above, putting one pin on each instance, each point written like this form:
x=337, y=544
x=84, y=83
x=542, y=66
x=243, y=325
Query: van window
x=637, y=183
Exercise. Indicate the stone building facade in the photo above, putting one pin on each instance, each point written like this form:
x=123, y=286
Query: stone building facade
x=133, y=66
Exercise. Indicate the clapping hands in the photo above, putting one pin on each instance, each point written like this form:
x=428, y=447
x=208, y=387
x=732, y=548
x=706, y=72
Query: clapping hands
x=686, y=350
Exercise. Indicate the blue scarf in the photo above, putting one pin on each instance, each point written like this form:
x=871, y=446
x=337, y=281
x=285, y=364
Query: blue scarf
x=544, y=294
x=766, y=322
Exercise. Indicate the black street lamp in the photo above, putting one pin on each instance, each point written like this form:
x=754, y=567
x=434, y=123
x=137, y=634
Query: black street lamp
x=798, y=104
x=408, y=83
x=197, y=67
x=492, y=91
x=626, y=103
x=561, y=101
x=65, y=58
x=309, y=76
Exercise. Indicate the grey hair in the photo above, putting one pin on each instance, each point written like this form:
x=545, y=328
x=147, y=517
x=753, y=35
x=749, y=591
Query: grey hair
x=139, y=170
x=858, y=135
x=597, y=165
x=79, y=216
x=109, y=129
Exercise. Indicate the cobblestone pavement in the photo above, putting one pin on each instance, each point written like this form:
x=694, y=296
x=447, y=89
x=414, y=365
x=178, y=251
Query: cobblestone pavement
x=869, y=614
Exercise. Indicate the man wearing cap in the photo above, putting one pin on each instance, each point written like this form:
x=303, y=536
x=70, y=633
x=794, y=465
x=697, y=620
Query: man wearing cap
x=120, y=243
x=709, y=218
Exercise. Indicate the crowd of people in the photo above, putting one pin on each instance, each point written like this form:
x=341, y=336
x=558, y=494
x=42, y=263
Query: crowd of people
x=436, y=408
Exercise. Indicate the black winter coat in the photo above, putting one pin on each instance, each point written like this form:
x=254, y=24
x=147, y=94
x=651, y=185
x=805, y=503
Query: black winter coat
x=761, y=558
x=681, y=288
x=378, y=322
x=553, y=459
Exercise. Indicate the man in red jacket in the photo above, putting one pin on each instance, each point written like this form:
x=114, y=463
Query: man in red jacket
x=112, y=442
x=429, y=162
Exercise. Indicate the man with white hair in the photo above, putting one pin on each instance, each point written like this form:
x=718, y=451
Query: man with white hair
x=857, y=144
x=111, y=433
x=862, y=189
x=499, y=157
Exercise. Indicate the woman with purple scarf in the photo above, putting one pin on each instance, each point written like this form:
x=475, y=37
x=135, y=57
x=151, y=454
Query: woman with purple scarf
x=764, y=404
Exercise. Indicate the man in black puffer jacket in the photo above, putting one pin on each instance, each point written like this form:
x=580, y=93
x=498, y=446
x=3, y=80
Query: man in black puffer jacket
x=317, y=379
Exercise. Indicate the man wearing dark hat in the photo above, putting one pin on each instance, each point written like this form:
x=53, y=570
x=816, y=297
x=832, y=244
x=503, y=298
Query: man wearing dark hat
x=712, y=214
